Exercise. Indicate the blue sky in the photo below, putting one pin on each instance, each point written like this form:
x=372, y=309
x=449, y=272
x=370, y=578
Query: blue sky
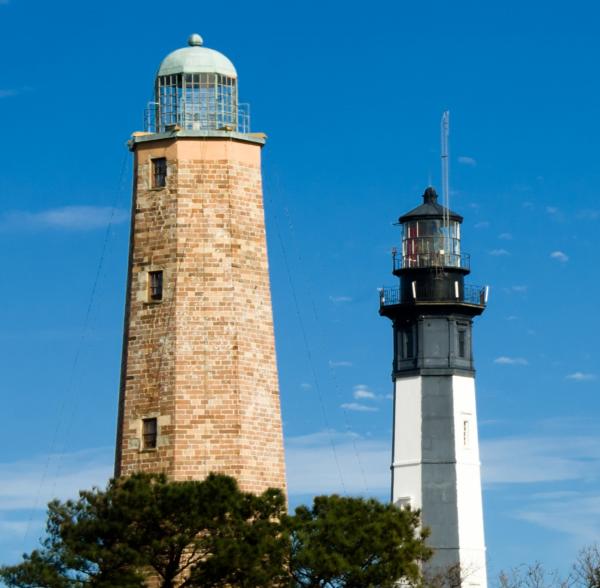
x=350, y=95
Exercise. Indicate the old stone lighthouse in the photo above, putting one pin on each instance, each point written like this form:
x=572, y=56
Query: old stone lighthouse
x=435, y=455
x=199, y=389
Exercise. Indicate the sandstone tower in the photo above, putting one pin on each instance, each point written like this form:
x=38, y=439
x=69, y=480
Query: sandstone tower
x=435, y=457
x=199, y=389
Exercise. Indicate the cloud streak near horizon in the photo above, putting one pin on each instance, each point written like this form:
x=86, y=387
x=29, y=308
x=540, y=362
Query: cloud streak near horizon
x=330, y=461
x=26, y=487
x=466, y=160
x=70, y=218
x=505, y=360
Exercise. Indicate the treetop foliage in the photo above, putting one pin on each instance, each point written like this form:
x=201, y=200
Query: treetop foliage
x=211, y=534
x=355, y=542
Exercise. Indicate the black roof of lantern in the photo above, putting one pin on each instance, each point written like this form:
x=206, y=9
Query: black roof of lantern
x=430, y=209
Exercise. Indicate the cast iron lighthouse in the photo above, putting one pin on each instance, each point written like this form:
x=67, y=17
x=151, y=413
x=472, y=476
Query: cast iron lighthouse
x=199, y=388
x=435, y=458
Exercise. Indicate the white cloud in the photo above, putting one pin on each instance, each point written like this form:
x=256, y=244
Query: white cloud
x=32, y=483
x=26, y=487
x=482, y=225
x=499, y=252
x=518, y=288
x=505, y=236
x=559, y=256
x=306, y=386
x=589, y=214
x=357, y=407
x=522, y=188
x=15, y=528
x=73, y=218
x=336, y=299
x=573, y=513
x=362, y=392
x=581, y=377
x=465, y=160
x=563, y=455
x=504, y=360
x=551, y=209
x=330, y=461
x=335, y=364
x=529, y=460
x=10, y=92
x=312, y=464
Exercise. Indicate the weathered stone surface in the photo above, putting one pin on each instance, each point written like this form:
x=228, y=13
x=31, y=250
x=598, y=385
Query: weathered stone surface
x=202, y=361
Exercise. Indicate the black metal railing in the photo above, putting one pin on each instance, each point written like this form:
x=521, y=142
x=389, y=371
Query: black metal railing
x=389, y=296
x=425, y=260
x=425, y=292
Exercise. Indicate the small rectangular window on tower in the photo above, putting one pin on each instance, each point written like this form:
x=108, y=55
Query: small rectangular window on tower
x=462, y=342
x=406, y=342
x=149, y=433
x=409, y=343
x=159, y=172
x=155, y=286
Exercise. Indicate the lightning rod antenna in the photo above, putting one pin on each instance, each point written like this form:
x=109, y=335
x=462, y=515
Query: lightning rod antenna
x=445, y=132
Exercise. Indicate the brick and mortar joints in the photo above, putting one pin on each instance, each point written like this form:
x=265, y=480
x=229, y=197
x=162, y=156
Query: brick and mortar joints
x=202, y=361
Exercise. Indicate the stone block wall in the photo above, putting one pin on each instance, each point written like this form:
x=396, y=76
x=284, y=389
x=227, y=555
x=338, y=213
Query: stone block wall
x=202, y=360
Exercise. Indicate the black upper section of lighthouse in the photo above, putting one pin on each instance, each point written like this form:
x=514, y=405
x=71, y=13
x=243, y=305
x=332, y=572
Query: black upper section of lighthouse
x=432, y=309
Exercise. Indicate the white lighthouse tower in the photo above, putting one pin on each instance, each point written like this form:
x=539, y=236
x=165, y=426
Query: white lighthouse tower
x=435, y=459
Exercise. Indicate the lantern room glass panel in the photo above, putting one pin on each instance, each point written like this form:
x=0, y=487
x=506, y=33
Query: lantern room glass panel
x=196, y=102
x=427, y=243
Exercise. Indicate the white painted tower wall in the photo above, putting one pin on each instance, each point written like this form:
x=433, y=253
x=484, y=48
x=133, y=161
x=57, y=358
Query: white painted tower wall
x=436, y=468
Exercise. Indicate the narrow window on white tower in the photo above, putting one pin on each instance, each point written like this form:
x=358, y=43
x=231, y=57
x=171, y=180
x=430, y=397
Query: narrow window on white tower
x=159, y=172
x=149, y=433
x=155, y=286
x=466, y=440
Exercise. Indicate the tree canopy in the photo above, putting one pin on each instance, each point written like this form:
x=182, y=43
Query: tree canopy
x=210, y=534
x=355, y=543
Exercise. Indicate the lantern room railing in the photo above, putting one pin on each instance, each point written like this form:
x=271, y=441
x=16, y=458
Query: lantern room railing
x=431, y=260
x=194, y=119
x=468, y=294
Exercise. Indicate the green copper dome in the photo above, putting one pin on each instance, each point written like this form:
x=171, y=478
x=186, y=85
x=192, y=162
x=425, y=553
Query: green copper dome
x=196, y=59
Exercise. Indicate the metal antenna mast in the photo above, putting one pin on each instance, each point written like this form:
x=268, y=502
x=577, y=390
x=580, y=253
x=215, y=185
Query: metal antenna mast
x=445, y=132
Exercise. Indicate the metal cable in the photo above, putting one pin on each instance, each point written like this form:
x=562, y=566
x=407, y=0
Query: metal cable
x=69, y=392
x=307, y=350
x=332, y=369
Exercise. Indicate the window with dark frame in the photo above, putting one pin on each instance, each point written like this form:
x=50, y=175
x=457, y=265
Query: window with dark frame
x=406, y=343
x=462, y=342
x=149, y=433
x=409, y=343
x=159, y=172
x=155, y=285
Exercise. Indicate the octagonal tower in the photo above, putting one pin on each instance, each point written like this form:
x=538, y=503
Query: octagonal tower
x=435, y=456
x=199, y=387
